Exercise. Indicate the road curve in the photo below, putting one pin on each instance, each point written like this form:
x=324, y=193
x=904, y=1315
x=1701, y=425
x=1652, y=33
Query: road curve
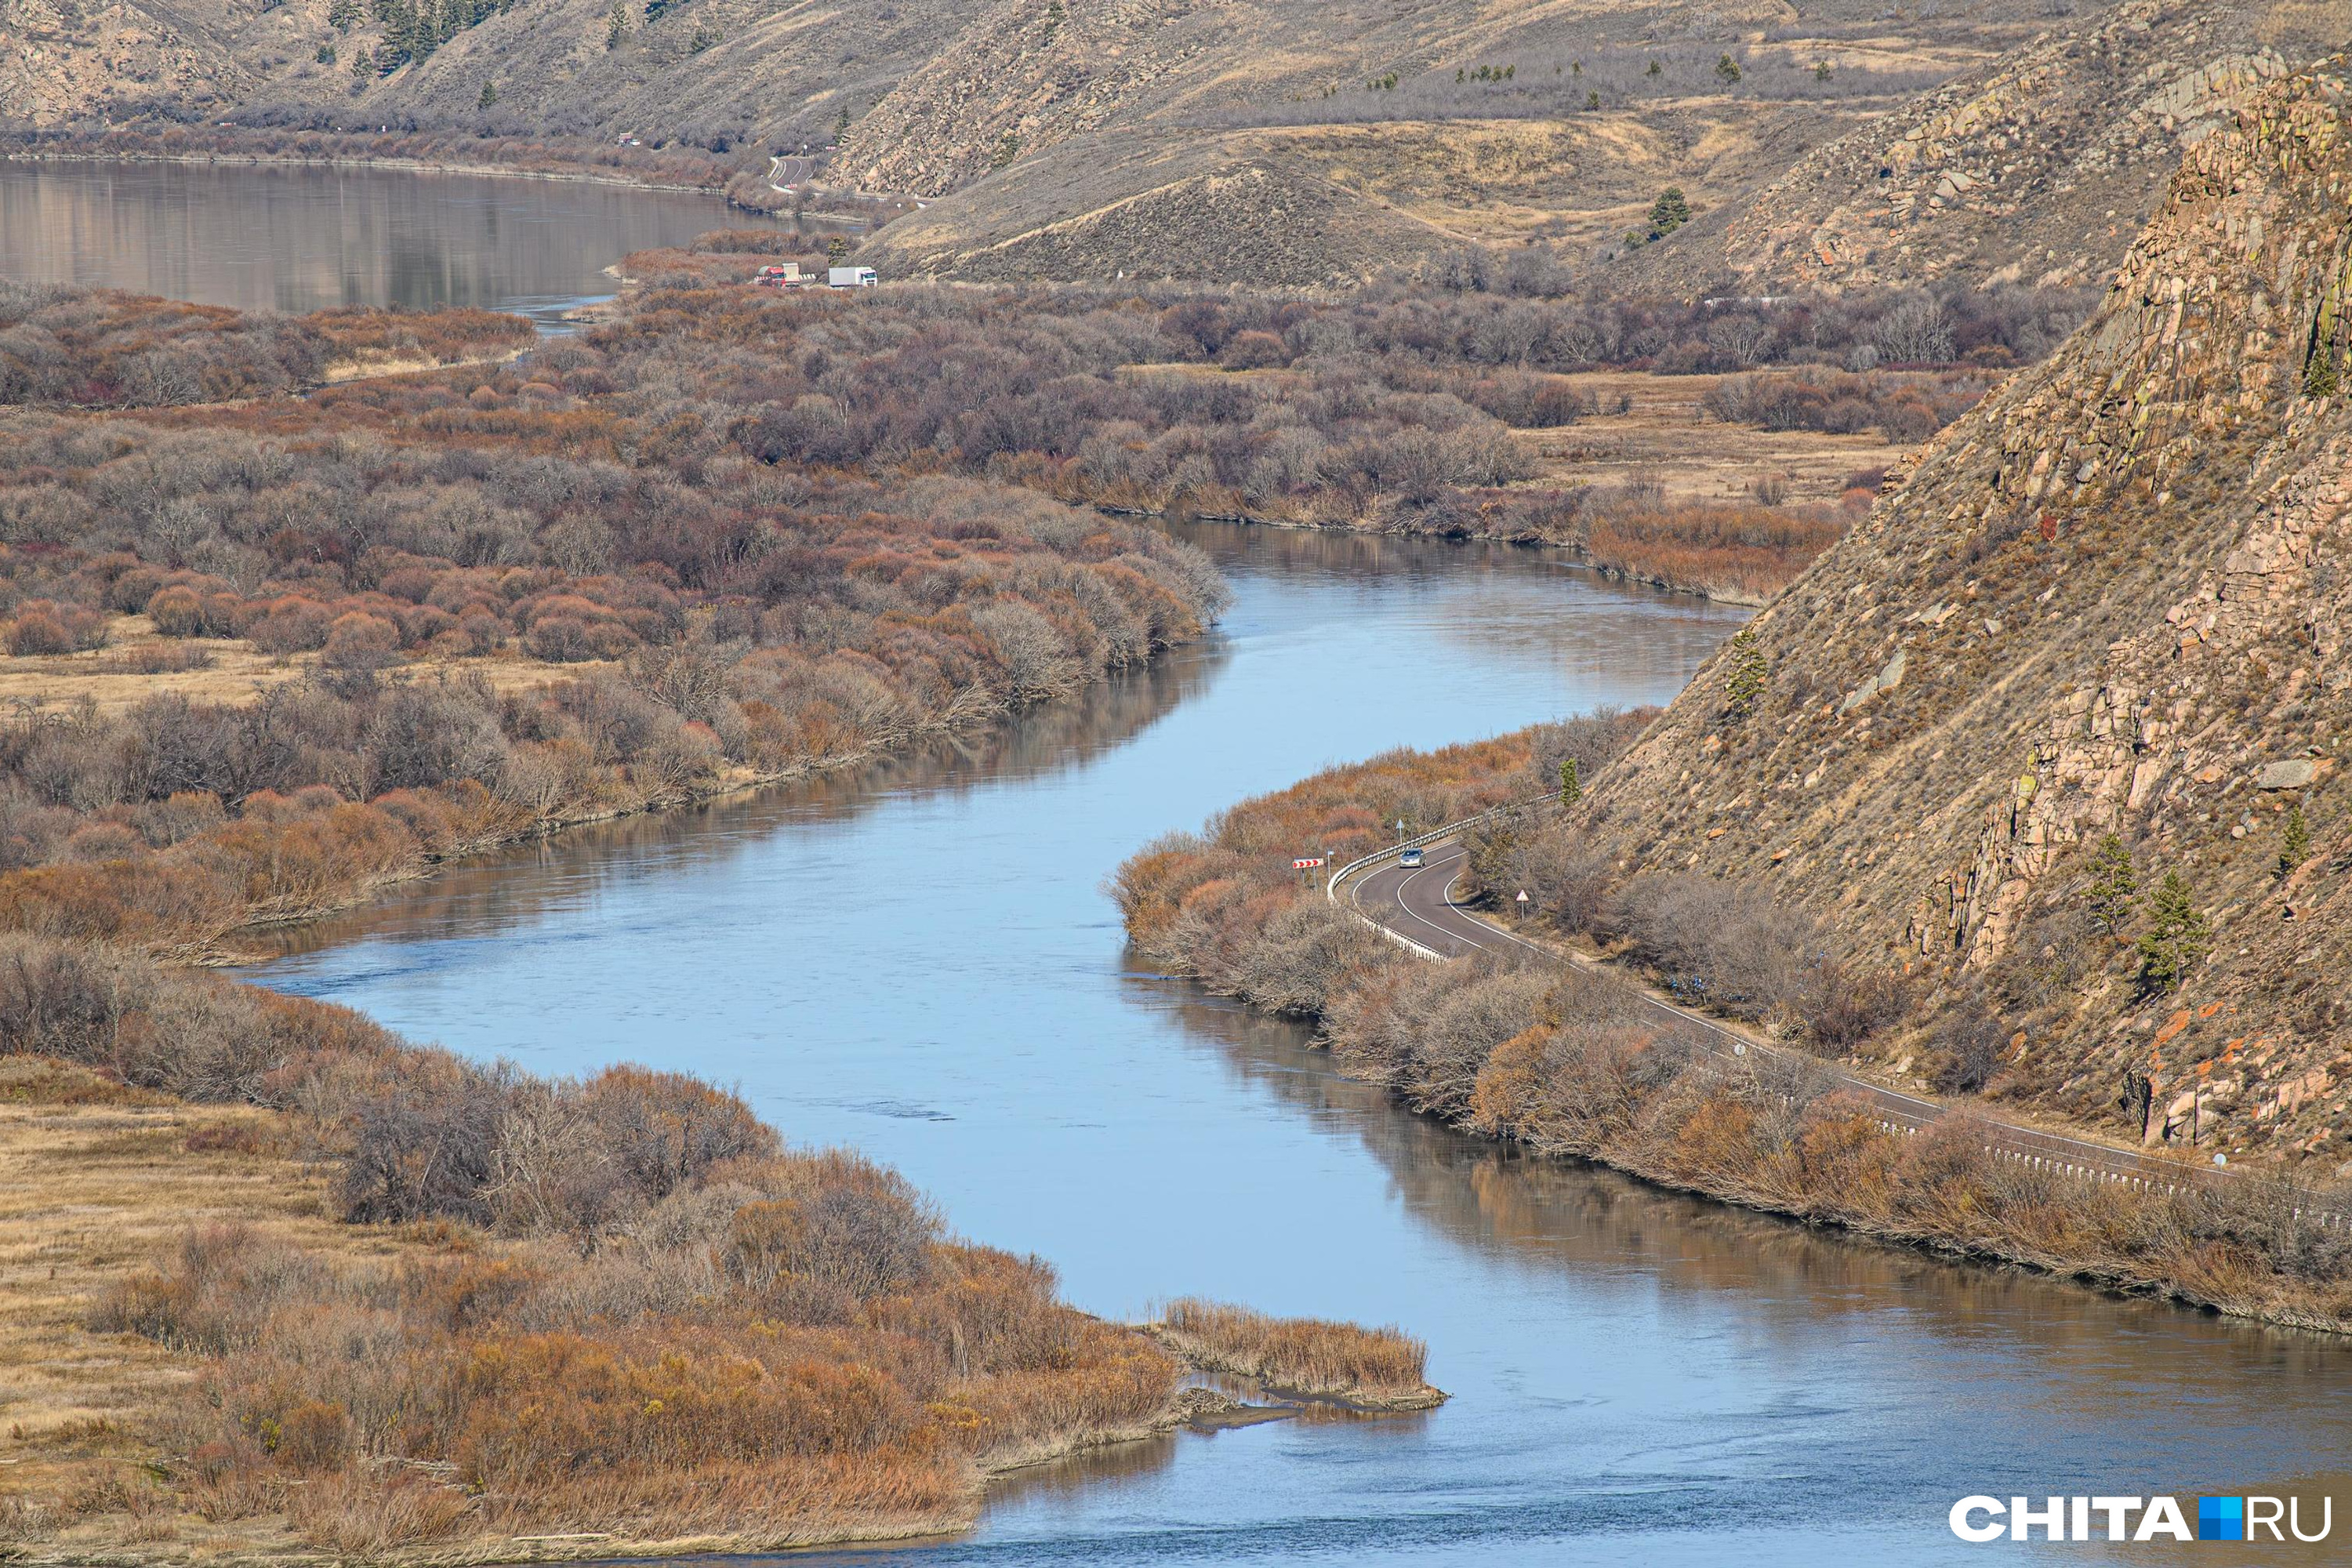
x=1417, y=904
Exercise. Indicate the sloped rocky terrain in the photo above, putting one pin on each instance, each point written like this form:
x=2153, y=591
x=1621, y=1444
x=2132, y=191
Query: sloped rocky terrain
x=1265, y=219
x=2037, y=167
x=1501, y=122
x=2113, y=599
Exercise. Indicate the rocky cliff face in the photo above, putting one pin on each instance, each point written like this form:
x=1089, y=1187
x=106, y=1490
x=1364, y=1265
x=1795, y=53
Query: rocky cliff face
x=2113, y=599
x=59, y=59
x=2037, y=167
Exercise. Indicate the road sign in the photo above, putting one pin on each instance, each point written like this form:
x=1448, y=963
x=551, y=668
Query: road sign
x=1306, y=862
x=1523, y=895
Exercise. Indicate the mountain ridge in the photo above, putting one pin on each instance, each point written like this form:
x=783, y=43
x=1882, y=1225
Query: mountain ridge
x=2108, y=600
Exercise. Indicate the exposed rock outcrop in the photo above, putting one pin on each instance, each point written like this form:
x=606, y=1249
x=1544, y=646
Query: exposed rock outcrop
x=2039, y=167
x=2118, y=598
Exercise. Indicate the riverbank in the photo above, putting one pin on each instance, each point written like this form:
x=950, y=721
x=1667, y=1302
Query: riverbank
x=644, y=169
x=1574, y=1065
x=245, y=1337
x=675, y=168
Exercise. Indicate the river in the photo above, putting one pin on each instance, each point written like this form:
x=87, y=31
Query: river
x=299, y=237
x=917, y=959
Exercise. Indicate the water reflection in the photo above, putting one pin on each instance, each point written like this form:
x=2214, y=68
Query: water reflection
x=488, y=895
x=2093, y=1375
x=299, y=238
x=919, y=961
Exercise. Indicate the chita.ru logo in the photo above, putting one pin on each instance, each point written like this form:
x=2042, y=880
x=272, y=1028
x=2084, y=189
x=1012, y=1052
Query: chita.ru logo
x=2144, y=1519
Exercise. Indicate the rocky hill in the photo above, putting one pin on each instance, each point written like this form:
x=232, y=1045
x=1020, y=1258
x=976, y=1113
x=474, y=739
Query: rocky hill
x=2113, y=599
x=1404, y=131
x=1147, y=206
x=2039, y=166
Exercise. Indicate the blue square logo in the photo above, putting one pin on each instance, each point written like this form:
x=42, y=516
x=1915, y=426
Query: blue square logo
x=2221, y=1519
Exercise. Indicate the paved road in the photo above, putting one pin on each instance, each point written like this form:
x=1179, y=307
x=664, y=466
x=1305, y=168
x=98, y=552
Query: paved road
x=1417, y=904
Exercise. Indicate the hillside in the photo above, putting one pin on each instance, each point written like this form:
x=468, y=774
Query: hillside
x=2110, y=600
x=2039, y=166
x=1080, y=141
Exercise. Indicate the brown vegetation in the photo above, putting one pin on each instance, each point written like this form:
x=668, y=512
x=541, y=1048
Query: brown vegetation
x=608, y=1306
x=592, y=507
x=674, y=165
x=101, y=348
x=286, y=1283
x=1375, y=1368
x=1573, y=1062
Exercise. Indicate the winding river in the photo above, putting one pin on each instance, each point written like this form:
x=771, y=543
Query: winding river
x=917, y=959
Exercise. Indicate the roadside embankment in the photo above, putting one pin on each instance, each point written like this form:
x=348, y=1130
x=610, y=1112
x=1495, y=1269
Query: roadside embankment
x=1576, y=1064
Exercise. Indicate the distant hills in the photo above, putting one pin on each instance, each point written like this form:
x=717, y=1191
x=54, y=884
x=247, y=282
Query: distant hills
x=1282, y=141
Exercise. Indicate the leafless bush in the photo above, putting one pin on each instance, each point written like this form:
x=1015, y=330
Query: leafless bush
x=1844, y=1005
x=1429, y=1030
x=423, y=1140
x=1718, y=941
x=1968, y=1042
x=1303, y=954
x=665, y=1129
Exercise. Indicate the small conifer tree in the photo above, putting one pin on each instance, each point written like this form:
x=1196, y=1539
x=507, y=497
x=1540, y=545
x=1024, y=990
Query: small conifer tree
x=2115, y=885
x=2295, y=843
x=2176, y=937
x=1571, y=787
x=1749, y=673
x=1669, y=212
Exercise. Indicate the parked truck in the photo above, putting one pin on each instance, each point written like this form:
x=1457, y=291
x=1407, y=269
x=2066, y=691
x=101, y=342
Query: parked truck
x=850, y=277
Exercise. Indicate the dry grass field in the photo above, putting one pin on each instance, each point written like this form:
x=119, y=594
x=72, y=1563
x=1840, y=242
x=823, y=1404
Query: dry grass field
x=97, y=1182
x=136, y=664
x=1655, y=429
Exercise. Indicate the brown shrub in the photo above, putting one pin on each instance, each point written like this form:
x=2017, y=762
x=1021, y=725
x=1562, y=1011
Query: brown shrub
x=358, y=641
x=1303, y=1355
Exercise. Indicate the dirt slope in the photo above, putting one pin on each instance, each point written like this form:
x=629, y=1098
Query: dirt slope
x=2110, y=599
x=2039, y=166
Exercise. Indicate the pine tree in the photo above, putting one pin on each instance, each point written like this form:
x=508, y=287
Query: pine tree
x=1727, y=69
x=1571, y=787
x=1669, y=212
x=617, y=24
x=489, y=96
x=1749, y=674
x=2115, y=885
x=1655, y=69
x=2319, y=379
x=2176, y=939
x=2295, y=843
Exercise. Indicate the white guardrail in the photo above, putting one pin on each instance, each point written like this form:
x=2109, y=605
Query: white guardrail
x=1900, y=1112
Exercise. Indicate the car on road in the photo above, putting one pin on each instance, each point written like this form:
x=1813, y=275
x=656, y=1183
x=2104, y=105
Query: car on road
x=1410, y=857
